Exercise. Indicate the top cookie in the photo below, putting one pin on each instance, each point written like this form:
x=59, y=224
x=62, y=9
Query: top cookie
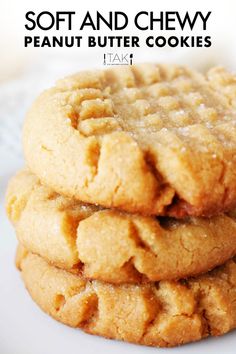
x=153, y=139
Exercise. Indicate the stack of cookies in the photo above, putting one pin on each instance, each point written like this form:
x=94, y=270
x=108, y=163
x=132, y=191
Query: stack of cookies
x=125, y=212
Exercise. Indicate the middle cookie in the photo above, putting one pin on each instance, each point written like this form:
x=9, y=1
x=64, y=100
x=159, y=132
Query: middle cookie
x=114, y=246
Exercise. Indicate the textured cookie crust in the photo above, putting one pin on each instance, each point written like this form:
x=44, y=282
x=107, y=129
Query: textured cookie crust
x=113, y=246
x=159, y=314
x=153, y=139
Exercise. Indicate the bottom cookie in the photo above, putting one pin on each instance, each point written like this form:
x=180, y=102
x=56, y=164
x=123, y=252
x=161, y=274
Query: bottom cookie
x=162, y=314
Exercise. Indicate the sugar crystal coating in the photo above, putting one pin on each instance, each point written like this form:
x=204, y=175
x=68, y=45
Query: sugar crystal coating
x=138, y=121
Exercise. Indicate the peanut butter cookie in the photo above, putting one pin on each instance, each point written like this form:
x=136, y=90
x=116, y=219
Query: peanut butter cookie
x=162, y=314
x=152, y=139
x=112, y=246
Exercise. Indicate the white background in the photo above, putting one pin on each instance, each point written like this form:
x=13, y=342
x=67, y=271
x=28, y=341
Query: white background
x=16, y=58
x=24, y=329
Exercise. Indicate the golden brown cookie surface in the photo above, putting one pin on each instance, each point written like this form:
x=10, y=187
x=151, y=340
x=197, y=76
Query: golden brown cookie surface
x=112, y=246
x=158, y=314
x=154, y=139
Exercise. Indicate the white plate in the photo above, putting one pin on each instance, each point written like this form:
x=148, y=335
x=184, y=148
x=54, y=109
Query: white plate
x=24, y=329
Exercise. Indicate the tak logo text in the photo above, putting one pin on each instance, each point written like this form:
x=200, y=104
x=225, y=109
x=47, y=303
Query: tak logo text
x=117, y=59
